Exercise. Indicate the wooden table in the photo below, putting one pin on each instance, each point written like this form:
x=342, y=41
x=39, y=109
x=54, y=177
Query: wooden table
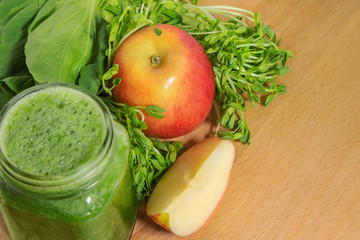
x=300, y=177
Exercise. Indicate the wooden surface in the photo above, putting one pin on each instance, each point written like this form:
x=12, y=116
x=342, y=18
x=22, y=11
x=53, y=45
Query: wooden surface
x=300, y=177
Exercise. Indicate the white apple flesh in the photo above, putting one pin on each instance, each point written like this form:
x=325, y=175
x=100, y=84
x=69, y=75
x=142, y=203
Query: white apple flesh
x=190, y=190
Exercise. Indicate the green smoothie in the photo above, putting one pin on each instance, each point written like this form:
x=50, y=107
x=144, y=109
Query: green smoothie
x=54, y=134
x=52, y=131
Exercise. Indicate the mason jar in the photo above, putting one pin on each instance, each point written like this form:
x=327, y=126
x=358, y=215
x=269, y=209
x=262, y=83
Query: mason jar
x=64, y=171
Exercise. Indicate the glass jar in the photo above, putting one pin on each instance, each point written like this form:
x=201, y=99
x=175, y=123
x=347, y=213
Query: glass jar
x=93, y=199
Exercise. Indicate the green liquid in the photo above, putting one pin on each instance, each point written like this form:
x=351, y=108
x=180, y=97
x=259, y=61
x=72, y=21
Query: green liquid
x=53, y=132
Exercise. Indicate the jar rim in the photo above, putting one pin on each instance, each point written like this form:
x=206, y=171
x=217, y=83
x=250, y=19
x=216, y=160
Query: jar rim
x=81, y=176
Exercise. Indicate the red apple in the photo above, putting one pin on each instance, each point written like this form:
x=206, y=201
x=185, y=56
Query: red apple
x=172, y=71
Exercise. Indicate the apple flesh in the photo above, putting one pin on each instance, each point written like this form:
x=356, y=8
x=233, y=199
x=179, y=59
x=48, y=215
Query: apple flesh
x=190, y=190
x=171, y=71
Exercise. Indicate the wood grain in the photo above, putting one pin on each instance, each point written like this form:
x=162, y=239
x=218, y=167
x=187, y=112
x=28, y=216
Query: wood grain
x=300, y=177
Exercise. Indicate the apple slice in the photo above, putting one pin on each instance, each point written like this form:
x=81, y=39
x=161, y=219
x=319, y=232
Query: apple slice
x=190, y=190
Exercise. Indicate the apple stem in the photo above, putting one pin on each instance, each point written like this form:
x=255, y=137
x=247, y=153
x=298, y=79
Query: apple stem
x=155, y=60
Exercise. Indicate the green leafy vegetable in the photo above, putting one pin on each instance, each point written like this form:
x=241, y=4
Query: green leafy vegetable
x=19, y=83
x=5, y=94
x=245, y=60
x=90, y=74
x=61, y=40
x=15, y=16
x=10, y=86
x=149, y=157
x=155, y=111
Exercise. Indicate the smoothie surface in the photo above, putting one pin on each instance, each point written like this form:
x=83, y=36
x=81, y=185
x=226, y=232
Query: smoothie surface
x=52, y=131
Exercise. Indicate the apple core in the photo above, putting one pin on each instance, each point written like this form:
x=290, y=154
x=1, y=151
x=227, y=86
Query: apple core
x=155, y=60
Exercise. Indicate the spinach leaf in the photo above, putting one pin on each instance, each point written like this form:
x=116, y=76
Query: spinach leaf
x=16, y=17
x=5, y=94
x=19, y=83
x=60, y=40
x=10, y=86
x=90, y=74
x=9, y=8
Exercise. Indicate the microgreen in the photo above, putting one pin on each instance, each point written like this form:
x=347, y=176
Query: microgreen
x=149, y=157
x=155, y=111
x=108, y=75
x=246, y=61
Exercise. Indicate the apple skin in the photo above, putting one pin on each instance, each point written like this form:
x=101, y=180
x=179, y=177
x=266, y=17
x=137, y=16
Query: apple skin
x=183, y=83
x=188, y=193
